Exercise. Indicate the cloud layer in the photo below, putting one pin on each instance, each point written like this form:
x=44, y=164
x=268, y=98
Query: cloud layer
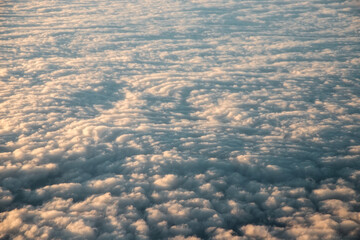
x=179, y=119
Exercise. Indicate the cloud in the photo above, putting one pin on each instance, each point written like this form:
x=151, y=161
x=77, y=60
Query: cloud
x=179, y=120
x=165, y=182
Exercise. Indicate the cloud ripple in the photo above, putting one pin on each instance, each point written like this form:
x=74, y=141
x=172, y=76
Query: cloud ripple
x=179, y=120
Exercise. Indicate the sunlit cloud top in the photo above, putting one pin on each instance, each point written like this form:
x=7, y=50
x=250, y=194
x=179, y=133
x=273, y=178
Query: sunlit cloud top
x=179, y=119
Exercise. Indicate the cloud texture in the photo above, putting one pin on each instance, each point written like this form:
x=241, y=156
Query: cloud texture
x=179, y=119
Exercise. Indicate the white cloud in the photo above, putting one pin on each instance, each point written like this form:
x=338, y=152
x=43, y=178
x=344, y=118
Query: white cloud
x=179, y=120
x=254, y=231
x=80, y=229
x=166, y=182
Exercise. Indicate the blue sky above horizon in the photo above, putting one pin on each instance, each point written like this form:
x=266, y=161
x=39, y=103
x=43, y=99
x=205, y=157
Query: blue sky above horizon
x=179, y=119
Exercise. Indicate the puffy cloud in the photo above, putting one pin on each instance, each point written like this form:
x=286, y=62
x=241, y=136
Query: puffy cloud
x=5, y=197
x=179, y=120
x=256, y=232
x=78, y=228
x=168, y=181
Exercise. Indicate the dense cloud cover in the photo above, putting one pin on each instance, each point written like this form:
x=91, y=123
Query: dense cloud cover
x=203, y=119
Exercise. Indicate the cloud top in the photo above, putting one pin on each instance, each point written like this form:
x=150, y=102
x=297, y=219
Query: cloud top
x=179, y=120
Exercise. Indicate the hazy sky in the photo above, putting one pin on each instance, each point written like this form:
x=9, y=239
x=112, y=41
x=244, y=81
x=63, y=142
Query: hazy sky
x=174, y=119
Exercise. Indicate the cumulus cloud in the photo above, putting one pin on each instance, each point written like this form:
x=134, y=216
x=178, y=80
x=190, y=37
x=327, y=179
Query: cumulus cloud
x=179, y=120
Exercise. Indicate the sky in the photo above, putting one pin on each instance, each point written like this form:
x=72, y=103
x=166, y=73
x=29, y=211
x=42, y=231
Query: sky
x=174, y=119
